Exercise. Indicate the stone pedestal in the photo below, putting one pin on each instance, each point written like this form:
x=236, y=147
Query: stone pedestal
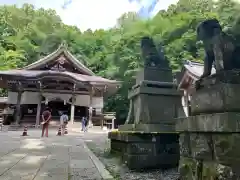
x=209, y=140
x=148, y=138
x=146, y=150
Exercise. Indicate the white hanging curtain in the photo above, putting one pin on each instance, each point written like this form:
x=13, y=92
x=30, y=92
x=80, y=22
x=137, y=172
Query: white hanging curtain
x=97, y=102
x=82, y=100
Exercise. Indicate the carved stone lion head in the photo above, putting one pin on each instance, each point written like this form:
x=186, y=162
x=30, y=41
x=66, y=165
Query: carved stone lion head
x=208, y=28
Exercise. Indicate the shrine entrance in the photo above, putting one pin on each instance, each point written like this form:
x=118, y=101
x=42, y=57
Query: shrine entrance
x=29, y=111
x=58, y=105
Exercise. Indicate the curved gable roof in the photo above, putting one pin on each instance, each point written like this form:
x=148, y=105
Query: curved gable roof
x=196, y=69
x=61, y=50
x=192, y=69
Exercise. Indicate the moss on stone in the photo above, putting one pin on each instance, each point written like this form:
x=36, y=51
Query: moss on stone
x=187, y=169
x=142, y=132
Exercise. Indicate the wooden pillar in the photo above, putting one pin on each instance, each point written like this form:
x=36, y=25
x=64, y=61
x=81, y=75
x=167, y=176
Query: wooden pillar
x=102, y=121
x=72, y=109
x=189, y=104
x=185, y=103
x=113, y=122
x=73, y=104
x=90, y=124
x=90, y=110
x=18, y=106
x=38, y=116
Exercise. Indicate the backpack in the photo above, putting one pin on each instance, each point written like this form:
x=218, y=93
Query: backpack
x=65, y=118
x=86, y=121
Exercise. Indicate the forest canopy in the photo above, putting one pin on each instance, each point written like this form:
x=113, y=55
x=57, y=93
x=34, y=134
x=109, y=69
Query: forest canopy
x=28, y=34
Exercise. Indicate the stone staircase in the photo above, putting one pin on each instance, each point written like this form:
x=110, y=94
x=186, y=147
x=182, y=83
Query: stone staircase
x=30, y=124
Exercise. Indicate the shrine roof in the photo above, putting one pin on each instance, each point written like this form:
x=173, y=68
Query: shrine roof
x=38, y=74
x=192, y=69
x=195, y=68
x=61, y=50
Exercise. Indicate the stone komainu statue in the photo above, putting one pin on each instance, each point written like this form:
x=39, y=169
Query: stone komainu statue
x=152, y=57
x=219, y=47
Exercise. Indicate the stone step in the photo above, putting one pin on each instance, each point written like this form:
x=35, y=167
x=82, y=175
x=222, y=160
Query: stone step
x=14, y=127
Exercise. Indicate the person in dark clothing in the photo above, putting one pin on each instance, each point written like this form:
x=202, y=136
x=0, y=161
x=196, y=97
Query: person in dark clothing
x=86, y=124
x=83, y=123
x=46, y=117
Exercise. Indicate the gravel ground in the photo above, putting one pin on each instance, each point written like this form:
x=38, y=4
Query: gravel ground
x=99, y=144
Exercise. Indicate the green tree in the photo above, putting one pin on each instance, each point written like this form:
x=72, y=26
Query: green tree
x=28, y=34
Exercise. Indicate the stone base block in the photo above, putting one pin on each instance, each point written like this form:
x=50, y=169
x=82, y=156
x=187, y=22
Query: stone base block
x=149, y=128
x=221, y=147
x=147, y=161
x=146, y=150
x=154, y=74
x=218, y=151
x=216, y=122
x=190, y=169
x=14, y=127
x=217, y=93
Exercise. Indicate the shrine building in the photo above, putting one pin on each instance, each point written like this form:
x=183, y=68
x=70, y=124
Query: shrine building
x=189, y=74
x=59, y=81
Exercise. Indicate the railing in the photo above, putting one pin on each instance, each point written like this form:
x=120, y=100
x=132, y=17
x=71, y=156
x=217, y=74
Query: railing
x=109, y=120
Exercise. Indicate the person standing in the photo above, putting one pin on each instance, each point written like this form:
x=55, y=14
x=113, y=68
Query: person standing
x=63, y=121
x=46, y=116
x=83, y=123
x=86, y=124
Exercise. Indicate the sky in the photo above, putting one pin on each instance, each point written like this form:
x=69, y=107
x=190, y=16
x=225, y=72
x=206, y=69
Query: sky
x=96, y=14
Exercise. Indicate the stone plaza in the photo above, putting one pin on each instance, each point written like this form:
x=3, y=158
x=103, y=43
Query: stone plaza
x=54, y=158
